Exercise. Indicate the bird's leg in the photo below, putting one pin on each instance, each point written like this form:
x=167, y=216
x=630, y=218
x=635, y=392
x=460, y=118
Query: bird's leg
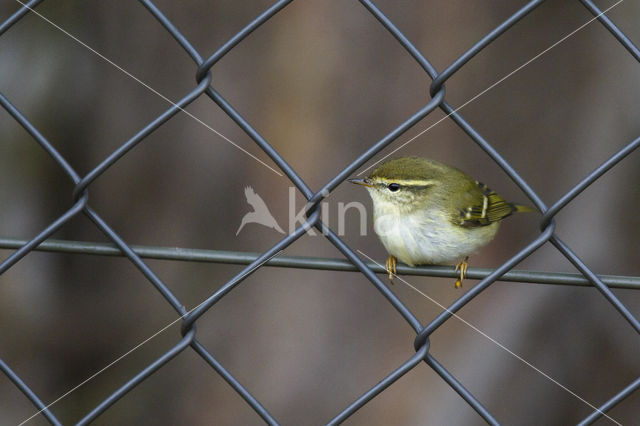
x=462, y=267
x=390, y=266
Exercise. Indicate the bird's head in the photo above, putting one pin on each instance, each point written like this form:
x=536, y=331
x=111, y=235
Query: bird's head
x=403, y=184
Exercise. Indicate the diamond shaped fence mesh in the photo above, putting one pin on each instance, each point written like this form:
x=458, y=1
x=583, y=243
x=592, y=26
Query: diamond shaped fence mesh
x=148, y=260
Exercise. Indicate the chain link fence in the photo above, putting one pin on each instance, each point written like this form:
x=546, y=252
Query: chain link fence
x=205, y=89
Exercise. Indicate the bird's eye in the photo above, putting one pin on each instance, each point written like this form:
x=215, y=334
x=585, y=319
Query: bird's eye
x=393, y=187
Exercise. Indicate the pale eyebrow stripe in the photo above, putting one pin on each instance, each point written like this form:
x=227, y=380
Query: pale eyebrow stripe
x=406, y=182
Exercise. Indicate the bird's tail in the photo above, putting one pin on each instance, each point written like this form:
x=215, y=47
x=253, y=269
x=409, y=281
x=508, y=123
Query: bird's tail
x=520, y=208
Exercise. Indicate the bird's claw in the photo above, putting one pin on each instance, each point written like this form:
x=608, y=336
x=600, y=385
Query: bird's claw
x=390, y=266
x=462, y=267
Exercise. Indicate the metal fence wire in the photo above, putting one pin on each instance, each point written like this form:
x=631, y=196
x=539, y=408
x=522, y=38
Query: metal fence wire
x=189, y=340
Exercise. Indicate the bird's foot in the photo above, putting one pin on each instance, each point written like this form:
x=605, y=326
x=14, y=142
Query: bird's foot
x=462, y=267
x=390, y=266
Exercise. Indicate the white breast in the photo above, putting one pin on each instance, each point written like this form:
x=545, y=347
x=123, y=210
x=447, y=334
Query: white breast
x=429, y=237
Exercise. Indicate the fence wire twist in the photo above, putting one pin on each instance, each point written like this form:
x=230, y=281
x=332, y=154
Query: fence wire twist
x=189, y=339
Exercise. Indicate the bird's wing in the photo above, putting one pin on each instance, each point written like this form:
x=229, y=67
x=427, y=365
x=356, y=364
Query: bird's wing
x=255, y=200
x=249, y=194
x=481, y=207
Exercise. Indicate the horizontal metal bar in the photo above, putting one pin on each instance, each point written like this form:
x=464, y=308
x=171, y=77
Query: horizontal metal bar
x=319, y=263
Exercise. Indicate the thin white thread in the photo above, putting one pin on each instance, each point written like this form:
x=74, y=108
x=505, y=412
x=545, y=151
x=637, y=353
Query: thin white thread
x=492, y=86
x=500, y=345
x=121, y=357
x=77, y=40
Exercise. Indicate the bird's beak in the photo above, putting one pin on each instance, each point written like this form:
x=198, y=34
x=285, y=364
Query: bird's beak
x=363, y=182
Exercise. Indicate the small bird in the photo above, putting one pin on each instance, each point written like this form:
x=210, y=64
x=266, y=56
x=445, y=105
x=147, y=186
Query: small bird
x=426, y=212
x=260, y=213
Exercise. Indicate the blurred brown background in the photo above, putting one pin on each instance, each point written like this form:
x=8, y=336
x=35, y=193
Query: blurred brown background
x=321, y=81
